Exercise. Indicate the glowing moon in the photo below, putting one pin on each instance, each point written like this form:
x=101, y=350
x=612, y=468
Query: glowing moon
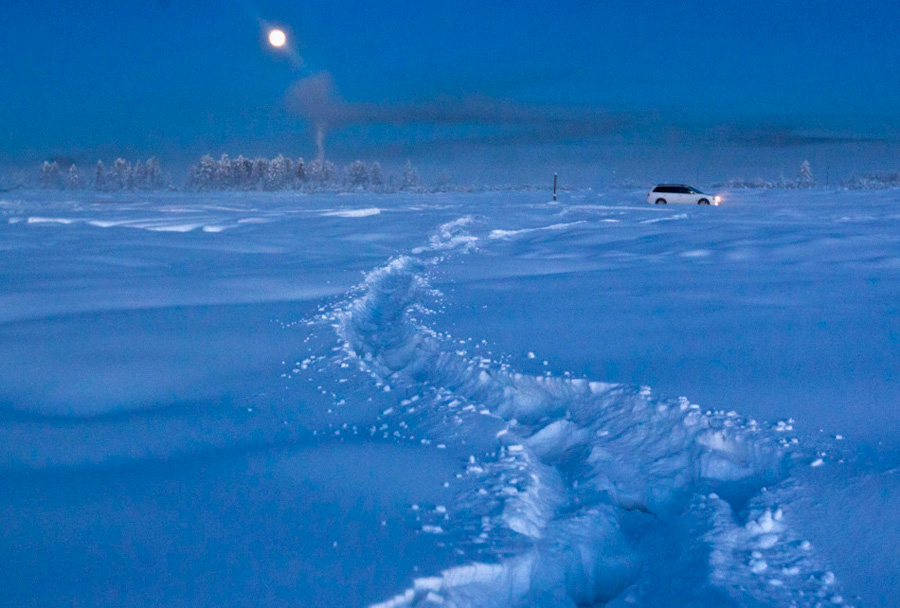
x=277, y=38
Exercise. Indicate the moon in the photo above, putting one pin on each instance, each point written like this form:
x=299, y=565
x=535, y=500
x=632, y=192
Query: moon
x=277, y=38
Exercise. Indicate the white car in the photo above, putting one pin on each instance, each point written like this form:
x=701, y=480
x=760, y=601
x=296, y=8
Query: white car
x=679, y=193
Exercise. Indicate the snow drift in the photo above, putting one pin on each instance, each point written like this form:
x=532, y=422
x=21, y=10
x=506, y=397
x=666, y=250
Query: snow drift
x=578, y=476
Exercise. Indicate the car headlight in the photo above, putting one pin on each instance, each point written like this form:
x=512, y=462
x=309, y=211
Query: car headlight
x=718, y=199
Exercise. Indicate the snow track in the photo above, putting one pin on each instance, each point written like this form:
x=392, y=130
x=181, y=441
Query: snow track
x=582, y=488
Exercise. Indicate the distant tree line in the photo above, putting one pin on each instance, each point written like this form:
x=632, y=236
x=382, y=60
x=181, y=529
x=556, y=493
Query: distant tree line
x=804, y=179
x=281, y=173
x=121, y=175
x=874, y=181
x=246, y=174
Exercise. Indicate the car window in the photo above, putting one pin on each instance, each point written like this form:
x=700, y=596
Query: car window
x=683, y=190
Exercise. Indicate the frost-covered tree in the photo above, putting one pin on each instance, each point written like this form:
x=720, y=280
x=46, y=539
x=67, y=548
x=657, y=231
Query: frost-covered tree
x=376, y=176
x=122, y=179
x=203, y=175
x=289, y=173
x=248, y=169
x=804, y=175
x=129, y=176
x=73, y=178
x=356, y=175
x=278, y=175
x=329, y=172
x=409, y=180
x=139, y=176
x=240, y=172
x=258, y=173
x=224, y=178
x=300, y=171
x=274, y=174
x=155, y=178
x=314, y=171
x=50, y=175
x=100, y=176
x=322, y=173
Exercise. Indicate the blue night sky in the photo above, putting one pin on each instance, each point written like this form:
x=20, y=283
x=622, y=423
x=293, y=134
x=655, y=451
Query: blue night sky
x=178, y=79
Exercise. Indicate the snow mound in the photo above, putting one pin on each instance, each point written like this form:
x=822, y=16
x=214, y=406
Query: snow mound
x=505, y=234
x=369, y=211
x=152, y=225
x=48, y=220
x=578, y=476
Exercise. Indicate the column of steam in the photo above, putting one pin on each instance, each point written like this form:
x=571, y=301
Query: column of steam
x=320, y=143
x=278, y=40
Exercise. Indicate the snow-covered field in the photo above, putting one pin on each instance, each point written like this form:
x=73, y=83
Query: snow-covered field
x=466, y=400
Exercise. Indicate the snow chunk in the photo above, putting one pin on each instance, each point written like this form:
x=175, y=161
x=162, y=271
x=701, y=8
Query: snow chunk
x=556, y=439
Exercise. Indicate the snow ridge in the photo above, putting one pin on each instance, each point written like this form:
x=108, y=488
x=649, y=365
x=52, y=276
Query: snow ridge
x=582, y=473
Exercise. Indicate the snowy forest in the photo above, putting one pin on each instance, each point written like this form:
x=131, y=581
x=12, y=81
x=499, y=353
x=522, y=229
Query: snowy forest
x=281, y=173
x=240, y=173
x=121, y=175
x=806, y=179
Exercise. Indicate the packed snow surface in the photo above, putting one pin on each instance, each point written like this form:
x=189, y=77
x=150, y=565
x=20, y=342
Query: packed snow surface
x=455, y=400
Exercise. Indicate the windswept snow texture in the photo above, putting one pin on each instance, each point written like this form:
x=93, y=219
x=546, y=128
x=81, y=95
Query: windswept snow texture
x=450, y=400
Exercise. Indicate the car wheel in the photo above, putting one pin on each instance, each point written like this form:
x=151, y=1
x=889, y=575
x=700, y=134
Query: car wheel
x=703, y=201
x=660, y=201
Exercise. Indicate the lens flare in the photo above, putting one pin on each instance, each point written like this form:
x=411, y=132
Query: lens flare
x=277, y=38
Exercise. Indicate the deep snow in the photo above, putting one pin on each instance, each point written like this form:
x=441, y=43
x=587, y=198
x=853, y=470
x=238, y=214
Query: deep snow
x=237, y=399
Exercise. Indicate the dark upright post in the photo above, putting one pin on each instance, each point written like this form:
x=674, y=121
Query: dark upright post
x=554, y=186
